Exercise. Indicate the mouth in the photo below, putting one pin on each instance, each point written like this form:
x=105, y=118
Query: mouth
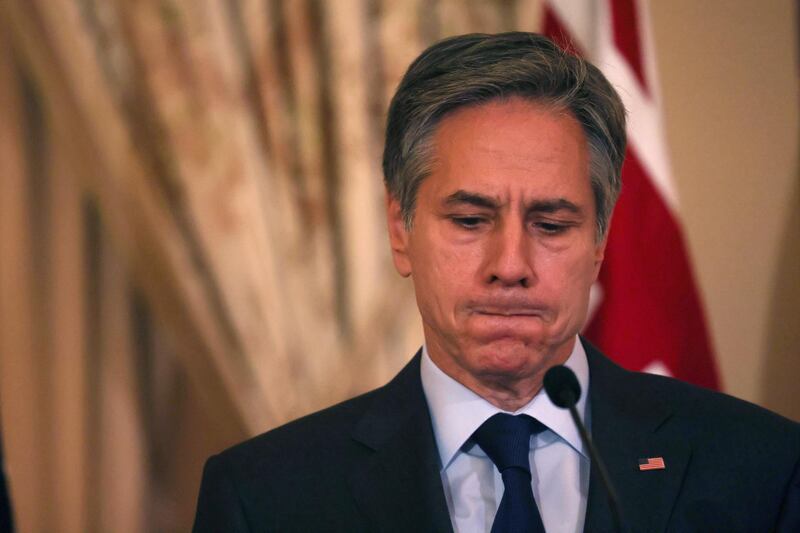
x=507, y=309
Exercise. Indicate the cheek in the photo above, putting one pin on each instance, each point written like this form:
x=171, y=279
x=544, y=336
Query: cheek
x=581, y=280
x=448, y=260
x=445, y=278
x=452, y=276
x=569, y=277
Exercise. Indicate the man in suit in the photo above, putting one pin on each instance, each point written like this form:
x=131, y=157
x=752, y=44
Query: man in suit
x=502, y=165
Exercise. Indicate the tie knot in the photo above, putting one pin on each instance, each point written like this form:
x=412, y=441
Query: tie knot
x=506, y=439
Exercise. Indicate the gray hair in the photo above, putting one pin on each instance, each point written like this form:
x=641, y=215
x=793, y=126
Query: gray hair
x=472, y=69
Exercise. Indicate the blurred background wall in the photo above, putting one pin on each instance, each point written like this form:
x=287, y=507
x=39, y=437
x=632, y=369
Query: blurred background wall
x=192, y=243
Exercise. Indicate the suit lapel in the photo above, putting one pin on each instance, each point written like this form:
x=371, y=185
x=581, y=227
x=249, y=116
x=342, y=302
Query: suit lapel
x=398, y=485
x=629, y=424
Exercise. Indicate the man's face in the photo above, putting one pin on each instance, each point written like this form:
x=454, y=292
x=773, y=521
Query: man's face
x=502, y=250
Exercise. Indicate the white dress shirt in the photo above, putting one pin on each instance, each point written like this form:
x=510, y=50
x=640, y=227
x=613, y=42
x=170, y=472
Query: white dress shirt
x=473, y=486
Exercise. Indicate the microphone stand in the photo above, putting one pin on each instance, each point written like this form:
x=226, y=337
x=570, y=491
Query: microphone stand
x=601, y=467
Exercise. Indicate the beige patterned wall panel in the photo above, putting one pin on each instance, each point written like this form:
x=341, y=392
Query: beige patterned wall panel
x=21, y=377
x=232, y=152
x=64, y=330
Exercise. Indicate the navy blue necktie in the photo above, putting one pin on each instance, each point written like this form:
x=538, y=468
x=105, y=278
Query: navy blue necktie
x=506, y=440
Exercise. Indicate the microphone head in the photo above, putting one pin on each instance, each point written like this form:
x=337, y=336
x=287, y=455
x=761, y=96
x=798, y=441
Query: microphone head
x=562, y=386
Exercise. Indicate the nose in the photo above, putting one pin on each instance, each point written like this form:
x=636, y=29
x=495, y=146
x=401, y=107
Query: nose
x=509, y=257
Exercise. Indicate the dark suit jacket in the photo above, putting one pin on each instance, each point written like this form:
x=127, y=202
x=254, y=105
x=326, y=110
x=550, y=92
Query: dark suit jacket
x=371, y=464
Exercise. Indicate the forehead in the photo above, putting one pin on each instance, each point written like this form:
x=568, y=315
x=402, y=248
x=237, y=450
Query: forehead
x=511, y=146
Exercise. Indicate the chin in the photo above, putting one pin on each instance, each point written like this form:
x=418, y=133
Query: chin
x=508, y=357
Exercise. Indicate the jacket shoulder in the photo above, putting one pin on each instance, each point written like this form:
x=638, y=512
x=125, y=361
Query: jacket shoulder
x=712, y=421
x=269, y=482
x=639, y=392
x=712, y=407
x=328, y=428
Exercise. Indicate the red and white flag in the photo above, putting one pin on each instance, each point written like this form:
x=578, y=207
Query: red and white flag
x=652, y=463
x=646, y=312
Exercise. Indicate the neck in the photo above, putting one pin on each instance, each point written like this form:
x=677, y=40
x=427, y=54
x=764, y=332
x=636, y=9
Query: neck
x=508, y=396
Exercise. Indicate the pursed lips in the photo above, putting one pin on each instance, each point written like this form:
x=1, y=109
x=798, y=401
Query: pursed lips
x=507, y=311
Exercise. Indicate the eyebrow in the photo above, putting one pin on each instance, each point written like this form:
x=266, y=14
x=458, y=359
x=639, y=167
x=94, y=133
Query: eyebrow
x=554, y=206
x=478, y=200
x=537, y=206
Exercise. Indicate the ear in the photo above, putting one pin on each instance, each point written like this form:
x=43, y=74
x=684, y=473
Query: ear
x=398, y=236
x=599, y=254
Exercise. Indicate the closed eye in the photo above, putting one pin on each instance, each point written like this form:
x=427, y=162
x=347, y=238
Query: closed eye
x=552, y=228
x=468, y=222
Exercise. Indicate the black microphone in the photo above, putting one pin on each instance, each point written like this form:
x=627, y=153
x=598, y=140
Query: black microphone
x=564, y=391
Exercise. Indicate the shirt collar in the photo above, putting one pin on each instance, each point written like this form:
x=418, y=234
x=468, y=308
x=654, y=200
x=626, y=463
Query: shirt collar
x=456, y=411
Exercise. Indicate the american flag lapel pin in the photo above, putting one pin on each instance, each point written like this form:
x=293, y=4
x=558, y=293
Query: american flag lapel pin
x=652, y=463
